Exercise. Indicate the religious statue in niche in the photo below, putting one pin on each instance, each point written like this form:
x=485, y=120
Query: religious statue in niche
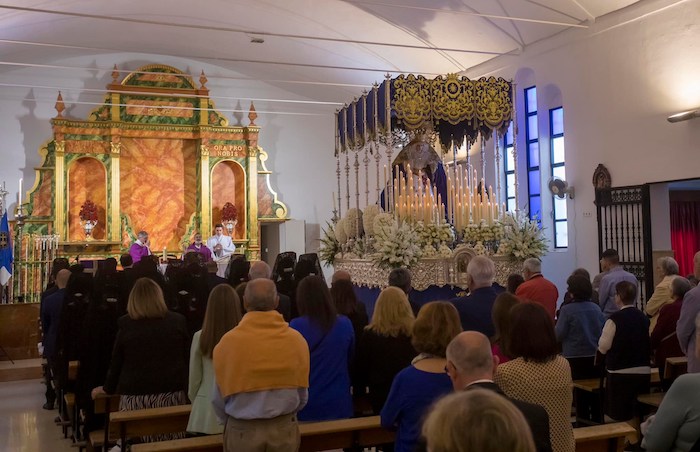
x=601, y=178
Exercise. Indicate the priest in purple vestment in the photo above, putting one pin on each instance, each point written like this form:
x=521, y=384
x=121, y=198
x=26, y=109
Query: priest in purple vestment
x=200, y=248
x=141, y=247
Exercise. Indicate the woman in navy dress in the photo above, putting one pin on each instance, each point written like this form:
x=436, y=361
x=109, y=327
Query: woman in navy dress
x=331, y=342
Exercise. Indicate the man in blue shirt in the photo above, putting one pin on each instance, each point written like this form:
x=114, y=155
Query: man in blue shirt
x=50, y=314
x=615, y=275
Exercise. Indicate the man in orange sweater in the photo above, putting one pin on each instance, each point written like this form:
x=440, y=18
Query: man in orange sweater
x=261, y=369
x=537, y=288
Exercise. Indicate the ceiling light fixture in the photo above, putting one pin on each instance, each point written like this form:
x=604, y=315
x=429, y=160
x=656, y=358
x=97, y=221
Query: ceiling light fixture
x=684, y=116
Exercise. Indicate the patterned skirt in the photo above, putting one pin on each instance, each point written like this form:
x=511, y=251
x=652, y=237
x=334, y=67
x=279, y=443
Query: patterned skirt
x=165, y=399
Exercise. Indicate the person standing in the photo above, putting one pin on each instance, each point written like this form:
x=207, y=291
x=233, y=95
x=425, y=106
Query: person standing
x=614, y=275
x=475, y=309
x=686, y=328
x=198, y=247
x=261, y=372
x=537, y=288
x=220, y=245
x=140, y=248
x=50, y=318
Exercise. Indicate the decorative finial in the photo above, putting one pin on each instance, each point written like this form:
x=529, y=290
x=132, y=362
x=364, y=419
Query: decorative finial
x=115, y=74
x=252, y=115
x=60, y=106
x=203, y=79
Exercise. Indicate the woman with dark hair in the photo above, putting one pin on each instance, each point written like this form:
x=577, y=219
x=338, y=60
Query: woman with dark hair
x=331, y=345
x=579, y=326
x=501, y=321
x=513, y=282
x=417, y=386
x=150, y=356
x=536, y=373
x=346, y=304
x=223, y=314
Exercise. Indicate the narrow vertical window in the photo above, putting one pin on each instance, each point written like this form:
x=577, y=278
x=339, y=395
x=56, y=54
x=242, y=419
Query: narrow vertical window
x=534, y=187
x=556, y=127
x=509, y=169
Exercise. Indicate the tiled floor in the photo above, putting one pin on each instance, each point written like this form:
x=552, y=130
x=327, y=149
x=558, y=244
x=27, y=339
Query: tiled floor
x=24, y=425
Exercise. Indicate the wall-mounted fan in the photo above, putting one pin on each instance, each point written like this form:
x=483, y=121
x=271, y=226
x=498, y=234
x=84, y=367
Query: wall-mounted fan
x=560, y=188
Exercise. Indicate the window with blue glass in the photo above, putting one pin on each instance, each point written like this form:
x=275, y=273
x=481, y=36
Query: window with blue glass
x=509, y=169
x=532, y=145
x=556, y=127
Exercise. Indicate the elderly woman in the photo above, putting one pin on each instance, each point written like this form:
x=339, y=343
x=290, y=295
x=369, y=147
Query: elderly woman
x=676, y=425
x=537, y=374
x=477, y=421
x=385, y=345
x=668, y=268
x=151, y=354
x=417, y=386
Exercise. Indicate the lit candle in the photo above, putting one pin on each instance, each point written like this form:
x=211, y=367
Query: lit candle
x=19, y=201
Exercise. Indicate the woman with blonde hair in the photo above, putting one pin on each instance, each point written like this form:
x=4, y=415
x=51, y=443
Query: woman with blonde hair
x=223, y=314
x=385, y=346
x=149, y=361
x=417, y=386
x=477, y=420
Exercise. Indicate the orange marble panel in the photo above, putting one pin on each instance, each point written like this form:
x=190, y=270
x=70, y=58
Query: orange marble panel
x=264, y=197
x=87, y=179
x=228, y=185
x=159, y=187
x=43, y=196
x=87, y=147
x=19, y=330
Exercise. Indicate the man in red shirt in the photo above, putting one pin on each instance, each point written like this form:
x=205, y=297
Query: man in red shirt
x=537, y=288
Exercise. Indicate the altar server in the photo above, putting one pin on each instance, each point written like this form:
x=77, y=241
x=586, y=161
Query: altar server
x=219, y=244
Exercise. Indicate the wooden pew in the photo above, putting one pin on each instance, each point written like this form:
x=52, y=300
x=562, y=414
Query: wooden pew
x=149, y=421
x=603, y=438
x=99, y=439
x=211, y=443
x=315, y=436
x=675, y=367
x=653, y=400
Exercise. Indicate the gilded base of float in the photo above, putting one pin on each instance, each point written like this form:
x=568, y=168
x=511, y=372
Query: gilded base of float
x=449, y=271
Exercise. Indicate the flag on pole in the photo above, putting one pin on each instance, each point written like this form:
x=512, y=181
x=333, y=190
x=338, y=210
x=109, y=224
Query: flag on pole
x=5, y=251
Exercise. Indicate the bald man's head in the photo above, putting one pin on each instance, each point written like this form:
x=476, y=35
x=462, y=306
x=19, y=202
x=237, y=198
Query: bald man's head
x=258, y=270
x=62, y=278
x=470, y=355
x=260, y=295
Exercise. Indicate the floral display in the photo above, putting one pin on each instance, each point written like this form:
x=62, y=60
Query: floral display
x=391, y=243
x=88, y=212
x=229, y=213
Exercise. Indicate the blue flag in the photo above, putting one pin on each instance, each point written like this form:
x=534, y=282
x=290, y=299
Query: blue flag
x=5, y=251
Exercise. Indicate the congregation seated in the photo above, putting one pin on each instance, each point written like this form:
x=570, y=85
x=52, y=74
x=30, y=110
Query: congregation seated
x=331, y=341
x=663, y=338
x=625, y=344
x=151, y=353
x=223, y=314
x=477, y=420
x=417, y=386
x=384, y=347
x=475, y=309
x=579, y=326
x=471, y=367
x=500, y=315
x=536, y=373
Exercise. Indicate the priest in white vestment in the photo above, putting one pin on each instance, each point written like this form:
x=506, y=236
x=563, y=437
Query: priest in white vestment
x=220, y=245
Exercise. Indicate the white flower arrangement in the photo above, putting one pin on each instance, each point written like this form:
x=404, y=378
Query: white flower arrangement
x=353, y=223
x=340, y=234
x=522, y=237
x=368, y=217
x=382, y=225
x=330, y=247
x=399, y=247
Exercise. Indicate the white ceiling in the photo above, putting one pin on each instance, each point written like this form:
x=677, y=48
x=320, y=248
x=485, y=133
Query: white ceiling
x=341, y=42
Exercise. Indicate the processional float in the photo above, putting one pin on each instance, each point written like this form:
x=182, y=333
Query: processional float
x=432, y=197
